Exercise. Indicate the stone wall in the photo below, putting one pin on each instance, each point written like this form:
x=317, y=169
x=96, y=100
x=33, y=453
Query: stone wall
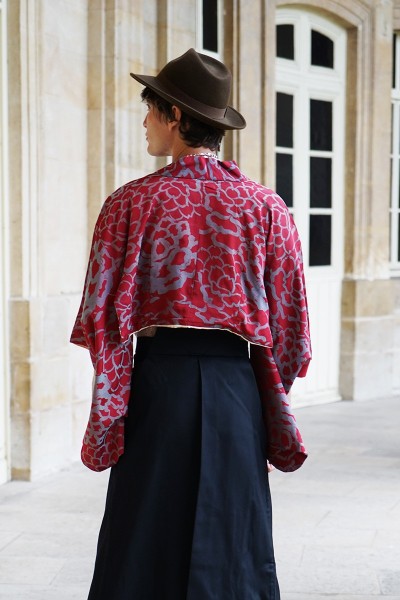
x=396, y=15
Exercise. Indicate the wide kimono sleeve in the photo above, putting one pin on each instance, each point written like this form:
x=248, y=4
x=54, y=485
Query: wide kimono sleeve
x=276, y=368
x=97, y=329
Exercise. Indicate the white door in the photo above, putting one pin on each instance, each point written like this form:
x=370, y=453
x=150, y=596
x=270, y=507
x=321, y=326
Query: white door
x=4, y=355
x=310, y=128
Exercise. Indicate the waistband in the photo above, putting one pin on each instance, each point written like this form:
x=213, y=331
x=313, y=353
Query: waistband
x=188, y=341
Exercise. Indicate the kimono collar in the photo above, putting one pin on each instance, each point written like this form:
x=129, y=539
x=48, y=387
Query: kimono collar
x=203, y=167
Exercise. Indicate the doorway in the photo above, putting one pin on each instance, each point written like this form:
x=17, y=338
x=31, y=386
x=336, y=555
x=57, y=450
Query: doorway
x=310, y=134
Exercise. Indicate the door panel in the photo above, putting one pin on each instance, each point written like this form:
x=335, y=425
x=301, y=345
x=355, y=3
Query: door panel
x=321, y=383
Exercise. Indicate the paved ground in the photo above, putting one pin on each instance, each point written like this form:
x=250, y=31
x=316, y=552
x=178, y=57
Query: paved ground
x=337, y=520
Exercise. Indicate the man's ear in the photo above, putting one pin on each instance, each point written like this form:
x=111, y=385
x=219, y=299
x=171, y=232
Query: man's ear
x=177, y=114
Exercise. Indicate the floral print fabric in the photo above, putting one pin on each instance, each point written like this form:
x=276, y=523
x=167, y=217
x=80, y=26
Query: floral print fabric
x=196, y=244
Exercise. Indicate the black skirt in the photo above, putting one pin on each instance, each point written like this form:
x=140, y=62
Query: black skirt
x=188, y=510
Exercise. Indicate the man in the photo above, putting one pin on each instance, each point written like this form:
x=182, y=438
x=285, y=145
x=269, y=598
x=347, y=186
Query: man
x=196, y=261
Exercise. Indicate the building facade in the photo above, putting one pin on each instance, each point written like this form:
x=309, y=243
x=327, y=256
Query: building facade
x=319, y=84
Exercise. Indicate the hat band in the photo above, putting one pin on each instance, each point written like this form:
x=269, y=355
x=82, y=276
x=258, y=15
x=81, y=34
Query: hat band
x=204, y=109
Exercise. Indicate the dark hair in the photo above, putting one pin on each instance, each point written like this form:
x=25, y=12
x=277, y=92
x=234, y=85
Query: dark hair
x=192, y=131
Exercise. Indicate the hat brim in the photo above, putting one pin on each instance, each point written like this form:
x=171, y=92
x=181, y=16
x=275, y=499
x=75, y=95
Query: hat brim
x=231, y=120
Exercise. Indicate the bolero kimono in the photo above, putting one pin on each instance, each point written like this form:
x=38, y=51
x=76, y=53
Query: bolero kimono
x=195, y=244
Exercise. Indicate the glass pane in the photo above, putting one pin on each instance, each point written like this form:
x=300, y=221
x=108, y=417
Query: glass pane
x=284, y=177
x=284, y=120
x=396, y=115
x=320, y=182
x=210, y=25
x=320, y=125
x=398, y=239
x=285, y=41
x=394, y=62
x=398, y=192
x=322, y=49
x=391, y=183
x=320, y=240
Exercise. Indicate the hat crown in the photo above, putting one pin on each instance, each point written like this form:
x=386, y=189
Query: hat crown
x=199, y=76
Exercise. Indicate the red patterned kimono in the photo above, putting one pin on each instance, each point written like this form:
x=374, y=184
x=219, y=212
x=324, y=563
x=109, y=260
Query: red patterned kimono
x=196, y=244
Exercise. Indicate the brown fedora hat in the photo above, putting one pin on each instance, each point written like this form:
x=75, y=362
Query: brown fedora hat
x=200, y=86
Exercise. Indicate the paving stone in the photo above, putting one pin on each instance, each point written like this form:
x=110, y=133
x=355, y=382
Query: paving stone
x=32, y=592
x=66, y=544
x=29, y=570
x=311, y=596
x=390, y=581
x=329, y=580
x=354, y=557
x=75, y=572
x=7, y=537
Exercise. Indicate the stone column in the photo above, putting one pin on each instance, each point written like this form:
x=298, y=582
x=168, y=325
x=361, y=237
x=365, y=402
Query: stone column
x=124, y=37
x=368, y=299
x=4, y=267
x=245, y=55
x=396, y=281
x=47, y=143
x=121, y=39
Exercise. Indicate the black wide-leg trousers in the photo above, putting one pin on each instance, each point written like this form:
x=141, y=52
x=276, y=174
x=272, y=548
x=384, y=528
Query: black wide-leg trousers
x=188, y=509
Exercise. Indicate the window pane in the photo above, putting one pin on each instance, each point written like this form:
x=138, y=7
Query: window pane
x=285, y=41
x=391, y=183
x=398, y=193
x=210, y=25
x=395, y=114
x=320, y=182
x=320, y=240
x=321, y=50
x=284, y=177
x=320, y=125
x=284, y=120
x=398, y=239
x=394, y=62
